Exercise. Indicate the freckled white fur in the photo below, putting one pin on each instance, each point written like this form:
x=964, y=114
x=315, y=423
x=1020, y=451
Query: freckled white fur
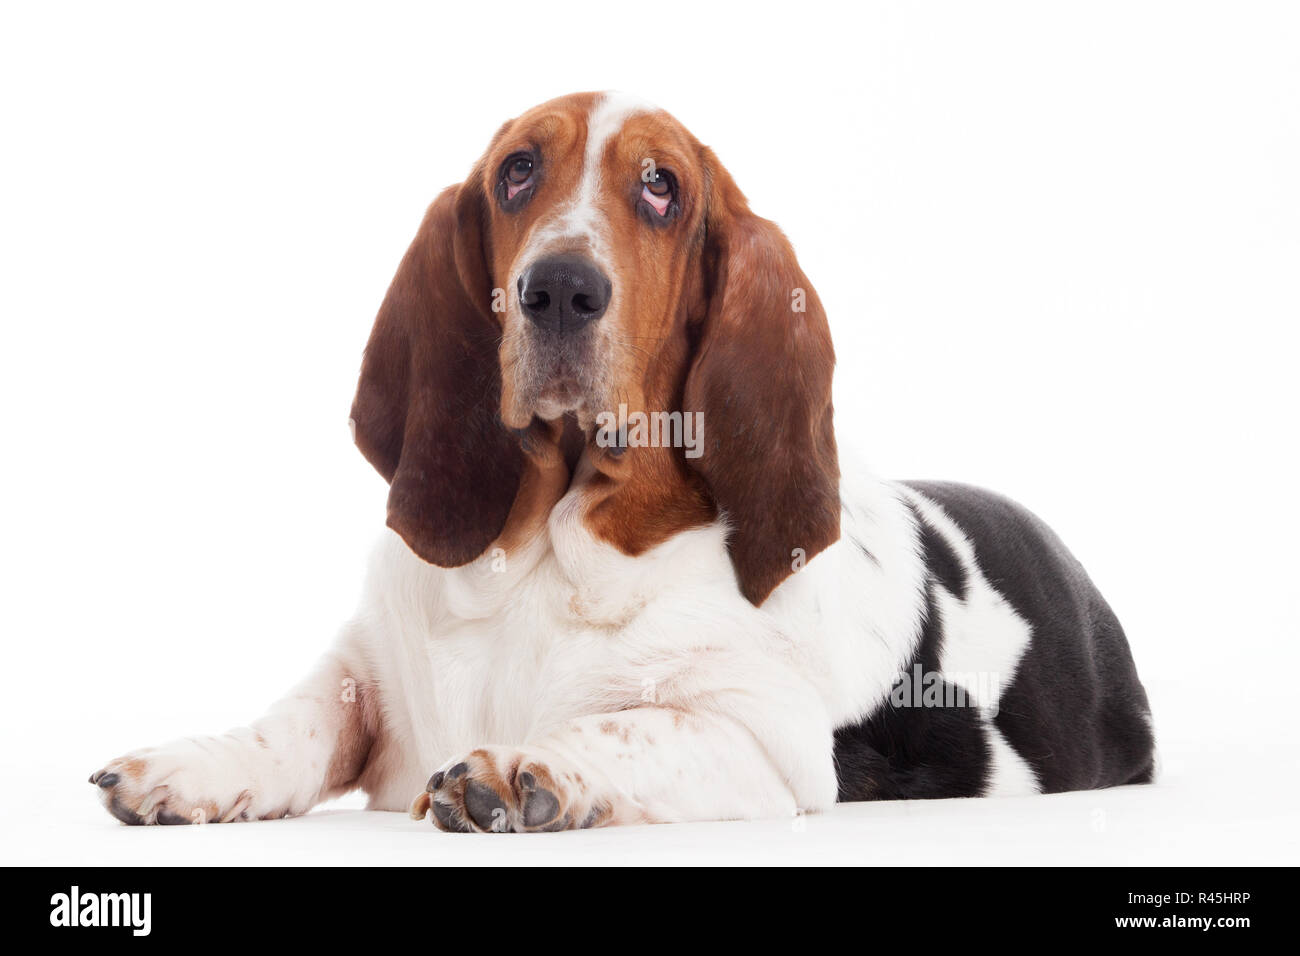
x=277, y=765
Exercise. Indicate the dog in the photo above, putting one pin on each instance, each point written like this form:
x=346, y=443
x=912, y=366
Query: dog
x=579, y=618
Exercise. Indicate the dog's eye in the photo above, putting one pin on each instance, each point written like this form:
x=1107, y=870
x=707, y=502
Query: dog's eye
x=658, y=193
x=661, y=185
x=519, y=170
x=517, y=174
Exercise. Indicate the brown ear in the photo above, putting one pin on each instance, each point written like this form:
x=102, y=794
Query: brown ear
x=762, y=379
x=427, y=409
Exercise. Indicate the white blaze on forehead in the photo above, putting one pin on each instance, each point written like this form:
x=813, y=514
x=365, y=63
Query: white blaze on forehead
x=605, y=120
x=580, y=216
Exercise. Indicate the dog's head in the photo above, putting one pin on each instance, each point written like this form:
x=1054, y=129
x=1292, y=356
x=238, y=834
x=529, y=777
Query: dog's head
x=600, y=264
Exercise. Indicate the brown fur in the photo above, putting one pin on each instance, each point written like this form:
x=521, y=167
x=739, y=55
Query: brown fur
x=426, y=413
x=762, y=374
x=357, y=739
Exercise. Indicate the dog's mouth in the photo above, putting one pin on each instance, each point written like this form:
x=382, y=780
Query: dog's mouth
x=562, y=387
x=552, y=379
x=563, y=391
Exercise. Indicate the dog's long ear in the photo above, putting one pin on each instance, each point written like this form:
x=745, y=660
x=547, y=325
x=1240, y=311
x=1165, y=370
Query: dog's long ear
x=761, y=376
x=427, y=409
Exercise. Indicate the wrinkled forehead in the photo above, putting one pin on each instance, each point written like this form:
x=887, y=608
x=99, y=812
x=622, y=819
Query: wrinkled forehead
x=591, y=143
x=594, y=123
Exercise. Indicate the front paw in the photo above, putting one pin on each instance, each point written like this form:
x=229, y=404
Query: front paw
x=180, y=783
x=504, y=790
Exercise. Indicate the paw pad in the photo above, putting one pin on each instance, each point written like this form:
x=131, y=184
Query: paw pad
x=494, y=793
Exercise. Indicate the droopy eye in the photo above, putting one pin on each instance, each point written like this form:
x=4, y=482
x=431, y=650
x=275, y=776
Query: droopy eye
x=517, y=174
x=659, y=192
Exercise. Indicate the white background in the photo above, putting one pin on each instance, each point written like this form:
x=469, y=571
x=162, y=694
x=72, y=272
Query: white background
x=1058, y=245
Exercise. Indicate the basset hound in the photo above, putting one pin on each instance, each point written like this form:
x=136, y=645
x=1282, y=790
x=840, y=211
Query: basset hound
x=626, y=578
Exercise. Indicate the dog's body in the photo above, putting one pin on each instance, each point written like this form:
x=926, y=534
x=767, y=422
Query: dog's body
x=571, y=631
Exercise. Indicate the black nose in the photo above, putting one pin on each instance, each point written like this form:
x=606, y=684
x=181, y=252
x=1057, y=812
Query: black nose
x=563, y=293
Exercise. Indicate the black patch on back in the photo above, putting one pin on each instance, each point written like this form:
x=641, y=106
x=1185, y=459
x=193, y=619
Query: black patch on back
x=1075, y=710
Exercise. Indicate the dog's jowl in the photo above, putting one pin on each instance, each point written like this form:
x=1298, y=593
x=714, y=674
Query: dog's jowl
x=578, y=617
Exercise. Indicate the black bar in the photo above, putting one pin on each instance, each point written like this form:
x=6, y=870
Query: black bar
x=322, y=905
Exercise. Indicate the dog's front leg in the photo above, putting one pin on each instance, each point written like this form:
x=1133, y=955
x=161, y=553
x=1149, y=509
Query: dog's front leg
x=649, y=764
x=310, y=746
